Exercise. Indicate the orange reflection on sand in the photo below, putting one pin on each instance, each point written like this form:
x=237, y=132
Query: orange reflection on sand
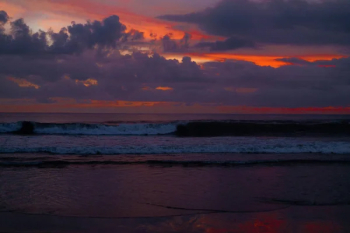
x=321, y=227
x=268, y=223
x=274, y=222
x=255, y=223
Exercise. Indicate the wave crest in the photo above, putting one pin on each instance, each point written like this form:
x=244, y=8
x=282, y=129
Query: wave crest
x=87, y=129
x=186, y=129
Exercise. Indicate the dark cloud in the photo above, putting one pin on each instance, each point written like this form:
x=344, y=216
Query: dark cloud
x=3, y=17
x=133, y=35
x=135, y=78
x=295, y=61
x=170, y=45
x=298, y=22
x=105, y=34
x=22, y=41
x=228, y=44
x=83, y=62
x=76, y=38
x=185, y=41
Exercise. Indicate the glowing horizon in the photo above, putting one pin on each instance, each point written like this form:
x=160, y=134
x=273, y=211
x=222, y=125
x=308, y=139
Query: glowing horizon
x=169, y=52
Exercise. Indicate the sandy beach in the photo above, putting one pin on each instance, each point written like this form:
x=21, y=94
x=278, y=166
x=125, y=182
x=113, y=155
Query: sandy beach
x=153, y=198
x=174, y=116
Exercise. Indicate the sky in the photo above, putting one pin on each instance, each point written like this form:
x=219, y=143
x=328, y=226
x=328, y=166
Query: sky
x=167, y=56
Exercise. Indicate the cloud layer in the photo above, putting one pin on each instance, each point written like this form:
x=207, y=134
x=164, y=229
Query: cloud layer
x=76, y=38
x=85, y=62
x=297, y=22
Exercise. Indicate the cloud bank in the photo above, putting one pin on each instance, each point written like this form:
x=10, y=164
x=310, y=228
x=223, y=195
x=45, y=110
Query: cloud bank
x=85, y=62
x=297, y=22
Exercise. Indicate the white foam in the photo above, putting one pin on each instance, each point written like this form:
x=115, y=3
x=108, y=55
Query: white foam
x=9, y=127
x=98, y=129
x=122, y=129
x=172, y=145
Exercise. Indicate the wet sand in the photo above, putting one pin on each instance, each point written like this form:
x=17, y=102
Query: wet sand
x=328, y=219
x=148, y=198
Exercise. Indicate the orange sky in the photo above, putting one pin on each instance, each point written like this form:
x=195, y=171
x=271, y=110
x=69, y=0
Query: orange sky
x=47, y=14
x=58, y=14
x=70, y=105
x=260, y=60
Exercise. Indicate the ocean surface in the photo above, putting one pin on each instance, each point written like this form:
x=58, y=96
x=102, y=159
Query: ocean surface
x=140, y=134
x=174, y=173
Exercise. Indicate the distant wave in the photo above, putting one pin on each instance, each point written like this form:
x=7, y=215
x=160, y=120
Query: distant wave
x=64, y=163
x=87, y=129
x=263, y=128
x=254, y=146
x=186, y=129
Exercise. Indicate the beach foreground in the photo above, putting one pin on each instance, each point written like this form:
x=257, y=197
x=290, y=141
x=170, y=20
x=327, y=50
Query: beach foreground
x=176, y=197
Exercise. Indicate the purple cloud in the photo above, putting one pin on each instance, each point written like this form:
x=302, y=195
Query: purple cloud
x=84, y=62
x=76, y=38
x=3, y=17
x=297, y=22
x=229, y=44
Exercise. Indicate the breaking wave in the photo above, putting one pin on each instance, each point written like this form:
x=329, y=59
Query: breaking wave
x=264, y=128
x=282, y=162
x=273, y=146
x=186, y=129
x=87, y=129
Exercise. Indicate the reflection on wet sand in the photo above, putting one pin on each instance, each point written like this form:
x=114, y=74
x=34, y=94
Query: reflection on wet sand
x=140, y=198
x=291, y=220
x=271, y=222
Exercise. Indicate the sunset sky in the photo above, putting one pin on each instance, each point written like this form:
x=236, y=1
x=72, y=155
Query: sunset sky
x=183, y=56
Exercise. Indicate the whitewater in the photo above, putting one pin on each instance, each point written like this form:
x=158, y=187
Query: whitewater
x=118, y=134
x=93, y=129
x=114, y=145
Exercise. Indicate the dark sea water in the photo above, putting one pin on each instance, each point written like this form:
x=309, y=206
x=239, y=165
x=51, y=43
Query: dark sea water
x=115, y=134
x=174, y=173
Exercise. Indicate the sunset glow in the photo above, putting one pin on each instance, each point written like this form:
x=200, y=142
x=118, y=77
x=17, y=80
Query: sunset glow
x=23, y=83
x=88, y=82
x=273, y=61
x=164, y=88
x=168, y=52
x=211, y=116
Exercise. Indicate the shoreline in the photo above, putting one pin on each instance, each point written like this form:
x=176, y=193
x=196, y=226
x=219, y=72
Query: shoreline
x=292, y=219
x=191, y=199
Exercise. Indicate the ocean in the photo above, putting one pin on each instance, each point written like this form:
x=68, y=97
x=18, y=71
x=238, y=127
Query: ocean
x=68, y=172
